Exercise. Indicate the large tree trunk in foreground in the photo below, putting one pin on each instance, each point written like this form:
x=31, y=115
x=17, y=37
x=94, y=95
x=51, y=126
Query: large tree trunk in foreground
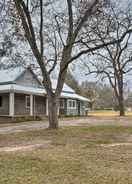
x=53, y=105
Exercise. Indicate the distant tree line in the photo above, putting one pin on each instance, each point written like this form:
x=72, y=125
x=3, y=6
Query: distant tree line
x=101, y=95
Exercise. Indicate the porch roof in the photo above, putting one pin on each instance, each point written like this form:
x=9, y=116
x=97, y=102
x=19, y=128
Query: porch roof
x=37, y=91
x=74, y=96
x=22, y=89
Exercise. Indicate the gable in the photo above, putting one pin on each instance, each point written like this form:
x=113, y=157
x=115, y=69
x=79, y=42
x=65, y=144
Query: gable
x=28, y=79
x=11, y=74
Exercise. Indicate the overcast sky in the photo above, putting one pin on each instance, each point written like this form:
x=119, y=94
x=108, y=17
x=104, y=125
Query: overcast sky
x=79, y=72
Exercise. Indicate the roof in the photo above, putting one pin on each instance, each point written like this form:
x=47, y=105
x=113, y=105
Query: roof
x=11, y=74
x=74, y=96
x=66, y=88
x=22, y=89
x=8, y=76
x=36, y=91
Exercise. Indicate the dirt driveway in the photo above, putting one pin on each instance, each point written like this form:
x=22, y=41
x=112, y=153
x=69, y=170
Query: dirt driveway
x=94, y=121
x=87, y=121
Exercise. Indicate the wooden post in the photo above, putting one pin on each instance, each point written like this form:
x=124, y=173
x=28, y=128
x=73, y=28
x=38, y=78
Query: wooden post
x=31, y=105
x=58, y=111
x=47, y=111
x=11, y=104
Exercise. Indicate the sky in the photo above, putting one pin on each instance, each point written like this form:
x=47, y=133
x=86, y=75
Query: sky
x=77, y=70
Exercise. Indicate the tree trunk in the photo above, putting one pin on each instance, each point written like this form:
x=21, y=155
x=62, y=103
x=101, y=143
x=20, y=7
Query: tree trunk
x=121, y=99
x=53, y=112
x=121, y=106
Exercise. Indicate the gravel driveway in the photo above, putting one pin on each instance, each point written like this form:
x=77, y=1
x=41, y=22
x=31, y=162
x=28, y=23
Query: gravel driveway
x=88, y=121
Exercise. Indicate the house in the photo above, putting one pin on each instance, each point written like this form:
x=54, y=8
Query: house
x=22, y=94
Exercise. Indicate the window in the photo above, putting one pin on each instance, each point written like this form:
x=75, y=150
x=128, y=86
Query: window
x=27, y=102
x=62, y=103
x=72, y=104
x=1, y=100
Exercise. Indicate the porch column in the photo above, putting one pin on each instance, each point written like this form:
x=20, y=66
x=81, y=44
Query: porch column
x=47, y=111
x=31, y=105
x=58, y=111
x=11, y=104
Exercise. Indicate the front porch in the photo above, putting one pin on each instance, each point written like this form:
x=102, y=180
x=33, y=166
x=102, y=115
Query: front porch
x=24, y=106
x=18, y=104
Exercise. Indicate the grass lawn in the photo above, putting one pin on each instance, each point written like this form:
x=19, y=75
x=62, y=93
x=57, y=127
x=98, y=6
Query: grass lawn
x=75, y=155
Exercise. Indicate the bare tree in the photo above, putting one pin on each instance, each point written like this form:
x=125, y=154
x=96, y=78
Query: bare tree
x=54, y=34
x=10, y=39
x=73, y=83
x=91, y=90
x=114, y=62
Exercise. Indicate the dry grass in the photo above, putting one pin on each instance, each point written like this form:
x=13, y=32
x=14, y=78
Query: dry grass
x=74, y=156
x=103, y=113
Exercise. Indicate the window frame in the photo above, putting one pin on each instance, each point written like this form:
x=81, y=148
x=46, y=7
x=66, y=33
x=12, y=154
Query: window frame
x=26, y=102
x=70, y=104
